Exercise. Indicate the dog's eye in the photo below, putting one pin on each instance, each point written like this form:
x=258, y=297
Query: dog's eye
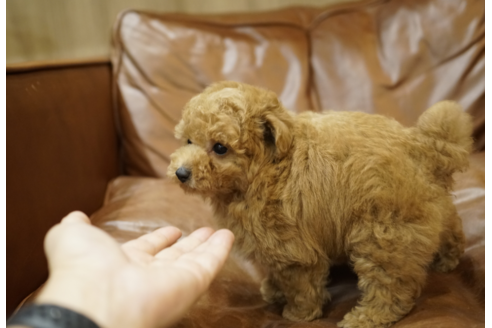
x=220, y=149
x=189, y=142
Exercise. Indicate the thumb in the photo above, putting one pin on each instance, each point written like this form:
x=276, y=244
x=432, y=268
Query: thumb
x=56, y=232
x=76, y=217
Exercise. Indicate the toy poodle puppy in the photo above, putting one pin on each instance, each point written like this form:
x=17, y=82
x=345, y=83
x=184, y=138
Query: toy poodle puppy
x=304, y=192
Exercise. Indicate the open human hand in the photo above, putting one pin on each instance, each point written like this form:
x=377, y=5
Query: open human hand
x=147, y=282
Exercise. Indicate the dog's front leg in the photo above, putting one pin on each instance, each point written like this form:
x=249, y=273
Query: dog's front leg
x=304, y=289
x=271, y=291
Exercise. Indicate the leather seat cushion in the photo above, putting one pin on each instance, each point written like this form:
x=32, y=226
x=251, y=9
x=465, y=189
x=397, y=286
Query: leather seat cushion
x=134, y=206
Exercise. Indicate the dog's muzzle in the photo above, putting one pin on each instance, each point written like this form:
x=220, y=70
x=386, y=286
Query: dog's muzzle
x=183, y=174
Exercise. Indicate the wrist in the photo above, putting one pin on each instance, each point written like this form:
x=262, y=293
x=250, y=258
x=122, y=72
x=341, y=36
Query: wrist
x=48, y=315
x=77, y=294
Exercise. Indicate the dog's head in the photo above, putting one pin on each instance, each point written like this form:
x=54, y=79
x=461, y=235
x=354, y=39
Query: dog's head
x=229, y=132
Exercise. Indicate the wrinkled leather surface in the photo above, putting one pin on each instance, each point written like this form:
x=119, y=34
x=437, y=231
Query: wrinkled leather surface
x=61, y=153
x=390, y=57
x=163, y=63
x=134, y=206
x=398, y=58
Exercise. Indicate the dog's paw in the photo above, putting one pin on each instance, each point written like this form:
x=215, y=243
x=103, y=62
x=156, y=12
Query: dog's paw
x=271, y=293
x=355, y=319
x=295, y=314
x=445, y=264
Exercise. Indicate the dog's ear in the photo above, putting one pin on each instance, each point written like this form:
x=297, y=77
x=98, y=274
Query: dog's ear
x=277, y=127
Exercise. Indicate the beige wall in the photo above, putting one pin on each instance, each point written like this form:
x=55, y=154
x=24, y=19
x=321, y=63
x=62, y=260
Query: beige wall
x=70, y=29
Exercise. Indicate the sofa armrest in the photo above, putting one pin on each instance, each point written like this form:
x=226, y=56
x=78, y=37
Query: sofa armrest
x=62, y=150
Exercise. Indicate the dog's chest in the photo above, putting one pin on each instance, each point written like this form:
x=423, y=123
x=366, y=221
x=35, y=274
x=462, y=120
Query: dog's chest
x=264, y=234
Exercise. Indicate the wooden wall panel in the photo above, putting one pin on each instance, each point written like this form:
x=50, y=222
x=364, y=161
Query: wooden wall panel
x=72, y=29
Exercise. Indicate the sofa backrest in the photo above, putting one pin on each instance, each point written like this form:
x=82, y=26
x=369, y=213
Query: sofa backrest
x=388, y=57
x=398, y=58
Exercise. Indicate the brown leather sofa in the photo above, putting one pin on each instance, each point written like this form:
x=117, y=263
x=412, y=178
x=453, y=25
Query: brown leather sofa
x=96, y=135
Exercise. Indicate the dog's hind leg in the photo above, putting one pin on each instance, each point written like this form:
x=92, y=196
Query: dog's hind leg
x=452, y=244
x=391, y=262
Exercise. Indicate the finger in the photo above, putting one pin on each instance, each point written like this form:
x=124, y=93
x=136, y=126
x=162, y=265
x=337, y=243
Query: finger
x=153, y=242
x=185, y=245
x=76, y=217
x=211, y=255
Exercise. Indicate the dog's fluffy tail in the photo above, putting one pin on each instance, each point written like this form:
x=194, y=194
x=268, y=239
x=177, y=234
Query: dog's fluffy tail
x=447, y=130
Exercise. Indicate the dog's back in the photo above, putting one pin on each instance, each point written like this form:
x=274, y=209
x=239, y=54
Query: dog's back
x=440, y=142
x=350, y=162
x=343, y=163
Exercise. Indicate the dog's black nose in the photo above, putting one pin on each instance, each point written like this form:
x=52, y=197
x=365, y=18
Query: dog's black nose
x=183, y=174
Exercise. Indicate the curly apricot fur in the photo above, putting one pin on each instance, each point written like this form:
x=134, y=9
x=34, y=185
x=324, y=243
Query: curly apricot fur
x=304, y=192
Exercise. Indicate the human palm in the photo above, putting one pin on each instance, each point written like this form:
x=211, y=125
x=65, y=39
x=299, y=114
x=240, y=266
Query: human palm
x=147, y=282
